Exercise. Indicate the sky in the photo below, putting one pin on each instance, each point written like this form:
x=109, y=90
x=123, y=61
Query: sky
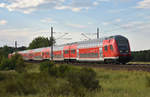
x=72, y=20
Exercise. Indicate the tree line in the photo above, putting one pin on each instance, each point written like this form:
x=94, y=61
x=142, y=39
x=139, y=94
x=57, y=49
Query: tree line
x=36, y=43
x=142, y=56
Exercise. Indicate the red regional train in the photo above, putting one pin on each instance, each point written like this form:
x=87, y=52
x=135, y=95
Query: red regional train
x=114, y=49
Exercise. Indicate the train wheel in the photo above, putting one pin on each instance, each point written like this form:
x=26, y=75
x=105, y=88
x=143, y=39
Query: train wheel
x=106, y=61
x=123, y=63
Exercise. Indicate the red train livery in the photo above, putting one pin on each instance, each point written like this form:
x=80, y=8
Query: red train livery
x=114, y=49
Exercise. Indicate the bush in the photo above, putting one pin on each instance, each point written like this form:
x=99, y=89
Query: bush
x=79, y=81
x=147, y=81
x=24, y=83
x=15, y=63
x=88, y=79
x=54, y=71
x=18, y=84
x=70, y=81
x=20, y=66
x=14, y=59
x=63, y=70
x=2, y=76
x=5, y=64
x=1, y=58
x=85, y=78
x=46, y=66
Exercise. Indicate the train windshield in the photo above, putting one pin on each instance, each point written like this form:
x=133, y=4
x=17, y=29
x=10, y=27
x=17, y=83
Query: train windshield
x=123, y=47
x=123, y=44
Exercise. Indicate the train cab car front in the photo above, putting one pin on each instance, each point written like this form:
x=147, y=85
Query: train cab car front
x=123, y=48
x=116, y=49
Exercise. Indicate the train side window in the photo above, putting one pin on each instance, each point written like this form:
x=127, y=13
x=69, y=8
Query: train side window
x=66, y=52
x=111, y=47
x=47, y=53
x=30, y=55
x=105, y=48
x=73, y=51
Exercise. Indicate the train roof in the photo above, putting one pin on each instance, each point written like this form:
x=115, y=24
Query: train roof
x=97, y=40
x=119, y=36
x=37, y=49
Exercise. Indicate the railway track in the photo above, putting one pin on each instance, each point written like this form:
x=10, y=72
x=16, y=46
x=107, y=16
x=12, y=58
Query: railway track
x=129, y=67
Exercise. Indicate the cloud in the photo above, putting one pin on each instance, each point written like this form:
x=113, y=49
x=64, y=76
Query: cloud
x=95, y=3
x=8, y=36
x=89, y=23
x=106, y=23
x=125, y=0
x=14, y=32
x=113, y=22
x=28, y=11
x=116, y=11
x=133, y=24
x=104, y=0
x=77, y=5
x=3, y=22
x=2, y=5
x=76, y=25
x=118, y=20
x=48, y=20
x=143, y=4
x=74, y=9
x=22, y=36
x=29, y=6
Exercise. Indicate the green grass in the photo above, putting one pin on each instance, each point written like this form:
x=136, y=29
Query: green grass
x=139, y=63
x=119, y=83
x=123, y=83
x=32, y=67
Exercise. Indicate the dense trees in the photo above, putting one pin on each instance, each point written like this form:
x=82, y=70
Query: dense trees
x=15, y=63
x=4, y=51
x=141, y=55
x=41, y=42
x=36, y=43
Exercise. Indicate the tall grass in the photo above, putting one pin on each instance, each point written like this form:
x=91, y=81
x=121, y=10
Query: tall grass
x=123, y=83
x=51, y=81
x=71, y=81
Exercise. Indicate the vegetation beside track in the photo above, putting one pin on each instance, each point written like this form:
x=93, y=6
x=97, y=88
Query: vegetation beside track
x=141, y=56
x=122, y=83
x=144, y=63
x=49, y=80
x=41, y=80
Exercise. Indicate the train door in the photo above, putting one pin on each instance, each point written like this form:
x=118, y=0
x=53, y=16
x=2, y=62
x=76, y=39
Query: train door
x=111, y=50
x=73, y=52
x=101, y=52
x=46, y=53
x=66, y=52
x=30, y=55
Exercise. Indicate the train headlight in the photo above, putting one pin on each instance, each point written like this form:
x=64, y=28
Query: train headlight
x=127, y=51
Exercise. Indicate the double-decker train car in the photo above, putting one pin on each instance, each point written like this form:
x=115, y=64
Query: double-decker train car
x=114, y=49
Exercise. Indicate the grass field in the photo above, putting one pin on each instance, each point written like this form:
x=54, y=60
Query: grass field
x=123, y=83
x=139, y=63
x=120, y=83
